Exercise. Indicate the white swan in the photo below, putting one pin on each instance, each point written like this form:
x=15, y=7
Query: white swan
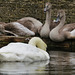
x=62, y=31
x=25, y=52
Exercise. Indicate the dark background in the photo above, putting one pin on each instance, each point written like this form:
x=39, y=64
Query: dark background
x=11, y=10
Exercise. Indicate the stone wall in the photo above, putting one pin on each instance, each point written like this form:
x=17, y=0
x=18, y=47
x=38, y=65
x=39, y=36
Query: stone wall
x=11, y=10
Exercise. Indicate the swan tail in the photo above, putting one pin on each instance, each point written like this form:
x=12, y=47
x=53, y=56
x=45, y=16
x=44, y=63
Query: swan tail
x=71, y=35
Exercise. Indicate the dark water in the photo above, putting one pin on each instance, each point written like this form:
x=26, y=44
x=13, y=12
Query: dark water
x=61, y=63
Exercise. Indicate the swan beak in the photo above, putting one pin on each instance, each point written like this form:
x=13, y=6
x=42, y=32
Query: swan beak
x=45, y=9
x=57, y=19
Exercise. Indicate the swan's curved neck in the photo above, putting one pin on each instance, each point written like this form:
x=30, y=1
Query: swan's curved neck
x=45, y=29
x=38, y=43
x=62, y=22
x=48, y=17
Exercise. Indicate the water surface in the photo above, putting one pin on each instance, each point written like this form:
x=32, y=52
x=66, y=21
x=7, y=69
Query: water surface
x=60, y=63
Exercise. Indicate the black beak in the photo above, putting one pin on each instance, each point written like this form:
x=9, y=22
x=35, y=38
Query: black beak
x=45, y=9
x=58, y=16
x=57, y=19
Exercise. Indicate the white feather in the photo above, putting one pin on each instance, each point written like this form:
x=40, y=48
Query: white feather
x=72, y=33
x=22, y=28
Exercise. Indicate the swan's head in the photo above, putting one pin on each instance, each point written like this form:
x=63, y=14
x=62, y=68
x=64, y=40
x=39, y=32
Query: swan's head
x=47, y=6
x=38, y=42
x=60, y=15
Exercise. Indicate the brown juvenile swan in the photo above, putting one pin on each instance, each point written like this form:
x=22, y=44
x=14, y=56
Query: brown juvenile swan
x=62, y=32
x=18, y=29
x=26, y=26
x=44, y=32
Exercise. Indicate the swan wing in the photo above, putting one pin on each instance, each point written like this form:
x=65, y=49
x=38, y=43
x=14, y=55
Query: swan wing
x=68, y=27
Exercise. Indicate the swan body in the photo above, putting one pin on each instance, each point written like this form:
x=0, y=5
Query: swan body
x=62, y=31
x=24, y=52
x=18, y=29
x=68, y=30
x=31, y=23
x=26, y=26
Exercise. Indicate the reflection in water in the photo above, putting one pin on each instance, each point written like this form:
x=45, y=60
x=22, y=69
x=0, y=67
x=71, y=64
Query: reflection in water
x=22, y=67
x=61, y=63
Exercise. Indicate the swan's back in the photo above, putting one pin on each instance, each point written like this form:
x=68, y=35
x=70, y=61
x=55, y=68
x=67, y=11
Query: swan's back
x=31, y=19
x=18, y=29
x=68, y=27
x=31, y=23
